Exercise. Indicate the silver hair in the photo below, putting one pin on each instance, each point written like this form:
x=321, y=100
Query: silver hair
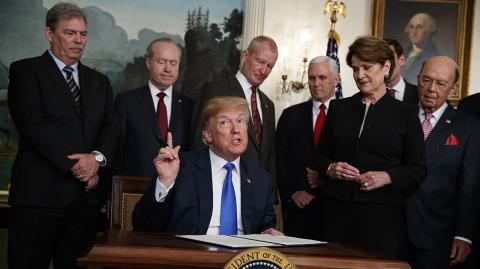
x=63, y=10
x=430, y=22
x=322, y=59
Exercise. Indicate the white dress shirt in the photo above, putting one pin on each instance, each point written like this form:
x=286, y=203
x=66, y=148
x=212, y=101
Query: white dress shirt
x=61, y=65
x=316, y=109
x=218, y=177
x=400, y=89
x=435, y=115
x=247, y=90
x=167, y=99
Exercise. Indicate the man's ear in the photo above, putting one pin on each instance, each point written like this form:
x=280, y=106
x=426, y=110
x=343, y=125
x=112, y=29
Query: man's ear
x=453, y=89
x=48, y=32
x=207, y=136
x=401, y=60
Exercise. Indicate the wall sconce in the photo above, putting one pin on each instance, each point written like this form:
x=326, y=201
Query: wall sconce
x=298, y=85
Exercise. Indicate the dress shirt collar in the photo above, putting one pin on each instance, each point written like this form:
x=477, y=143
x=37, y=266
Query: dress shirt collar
x=243, y=81
x=400, y=89
x=154, y=90
x=435, y=115
x=61, y=64
x=316, y=105
x=218, y=162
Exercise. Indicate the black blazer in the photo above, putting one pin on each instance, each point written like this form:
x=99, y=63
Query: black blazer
x=51, y=126
x=445, y=204
x=410, y=95
x=471, y=105
x=264, y=157
x=140, y=134
x=295, y=149
x=188, y=206
x=391, y=141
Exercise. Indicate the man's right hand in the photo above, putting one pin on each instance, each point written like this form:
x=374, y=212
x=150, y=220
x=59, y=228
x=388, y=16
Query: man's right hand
x=167, y=163
x=302, y=198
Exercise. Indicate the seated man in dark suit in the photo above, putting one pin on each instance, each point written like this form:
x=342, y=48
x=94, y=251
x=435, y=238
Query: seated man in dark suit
x=212, y=191
x=398, y=87
x=146, y=114
x=442, y=212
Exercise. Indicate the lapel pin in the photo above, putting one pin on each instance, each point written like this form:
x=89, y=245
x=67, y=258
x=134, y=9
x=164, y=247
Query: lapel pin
x=448, y=121
x=180, y=100
x=248, y=180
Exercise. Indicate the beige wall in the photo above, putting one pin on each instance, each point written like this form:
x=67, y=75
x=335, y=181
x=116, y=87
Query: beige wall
x=282, y=19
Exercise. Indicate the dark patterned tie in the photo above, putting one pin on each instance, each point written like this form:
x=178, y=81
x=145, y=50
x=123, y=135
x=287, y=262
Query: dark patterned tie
x=391, y=92
x=257, y=124
x=162, y=116
x=72, y=86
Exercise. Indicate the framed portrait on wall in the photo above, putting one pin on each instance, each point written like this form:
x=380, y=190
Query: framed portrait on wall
x=427, y=28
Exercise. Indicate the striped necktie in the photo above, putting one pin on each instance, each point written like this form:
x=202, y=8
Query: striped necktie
x=72, y=86
x=427, y=126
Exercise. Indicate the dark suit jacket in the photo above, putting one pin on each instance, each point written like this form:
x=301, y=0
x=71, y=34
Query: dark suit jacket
x=295, y=148
x=264, y=157
x=391, y=141
x=140, y=134
x=471, y=105
x=410, y=95
x=188, y=206
x=51, y=127
x=445, y=204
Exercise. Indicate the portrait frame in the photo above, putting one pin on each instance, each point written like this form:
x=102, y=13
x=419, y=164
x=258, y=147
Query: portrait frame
x=454, y=19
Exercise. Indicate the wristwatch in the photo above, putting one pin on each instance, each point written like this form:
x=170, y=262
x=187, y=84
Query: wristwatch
x=99, y=158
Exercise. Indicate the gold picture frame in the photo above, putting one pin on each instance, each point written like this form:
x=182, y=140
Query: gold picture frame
x=454, y=21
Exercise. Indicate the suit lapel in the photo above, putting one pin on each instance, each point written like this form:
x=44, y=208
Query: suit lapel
x=266, y=120
x=176, y=116
x=237, y=90
x=248, y=199
x=203, y=181
x=440, y=131
x=59, y=79
x=306, y=117
x=144, y=99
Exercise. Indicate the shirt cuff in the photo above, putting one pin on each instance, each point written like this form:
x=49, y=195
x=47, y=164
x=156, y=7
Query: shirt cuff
x=161, y=191
x=104, y=163
x=463, y=239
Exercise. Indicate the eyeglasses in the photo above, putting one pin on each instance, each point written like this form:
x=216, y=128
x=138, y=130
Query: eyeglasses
x=428, y=82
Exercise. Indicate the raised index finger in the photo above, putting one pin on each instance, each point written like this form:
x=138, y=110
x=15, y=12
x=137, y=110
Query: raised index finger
x=169, y=139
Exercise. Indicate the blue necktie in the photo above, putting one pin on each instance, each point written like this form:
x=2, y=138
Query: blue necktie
x=228, y=210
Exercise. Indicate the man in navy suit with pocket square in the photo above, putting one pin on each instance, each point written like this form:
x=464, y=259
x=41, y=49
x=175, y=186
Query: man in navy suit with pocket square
x=211, y=191
x=442, y=212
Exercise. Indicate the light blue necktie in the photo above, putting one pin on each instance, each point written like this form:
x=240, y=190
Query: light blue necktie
x=228, y=210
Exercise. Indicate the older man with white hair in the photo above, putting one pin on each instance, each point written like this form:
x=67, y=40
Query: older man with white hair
x=420, y=30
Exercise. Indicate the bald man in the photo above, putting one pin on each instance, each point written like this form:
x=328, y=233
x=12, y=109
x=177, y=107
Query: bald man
x=419, y=30
x=442, y=211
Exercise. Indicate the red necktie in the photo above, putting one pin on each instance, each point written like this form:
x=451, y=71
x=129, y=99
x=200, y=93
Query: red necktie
x=257, y=124
x=162, y=116
x=319, y=124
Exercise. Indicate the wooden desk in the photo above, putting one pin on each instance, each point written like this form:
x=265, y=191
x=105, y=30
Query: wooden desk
x=120, y=249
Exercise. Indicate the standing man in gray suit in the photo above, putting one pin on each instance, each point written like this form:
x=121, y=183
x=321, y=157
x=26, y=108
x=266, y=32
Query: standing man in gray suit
x=258, y=61
x=442, y=212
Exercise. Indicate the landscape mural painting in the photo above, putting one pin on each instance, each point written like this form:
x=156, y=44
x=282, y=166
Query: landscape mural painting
x=208, y=31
